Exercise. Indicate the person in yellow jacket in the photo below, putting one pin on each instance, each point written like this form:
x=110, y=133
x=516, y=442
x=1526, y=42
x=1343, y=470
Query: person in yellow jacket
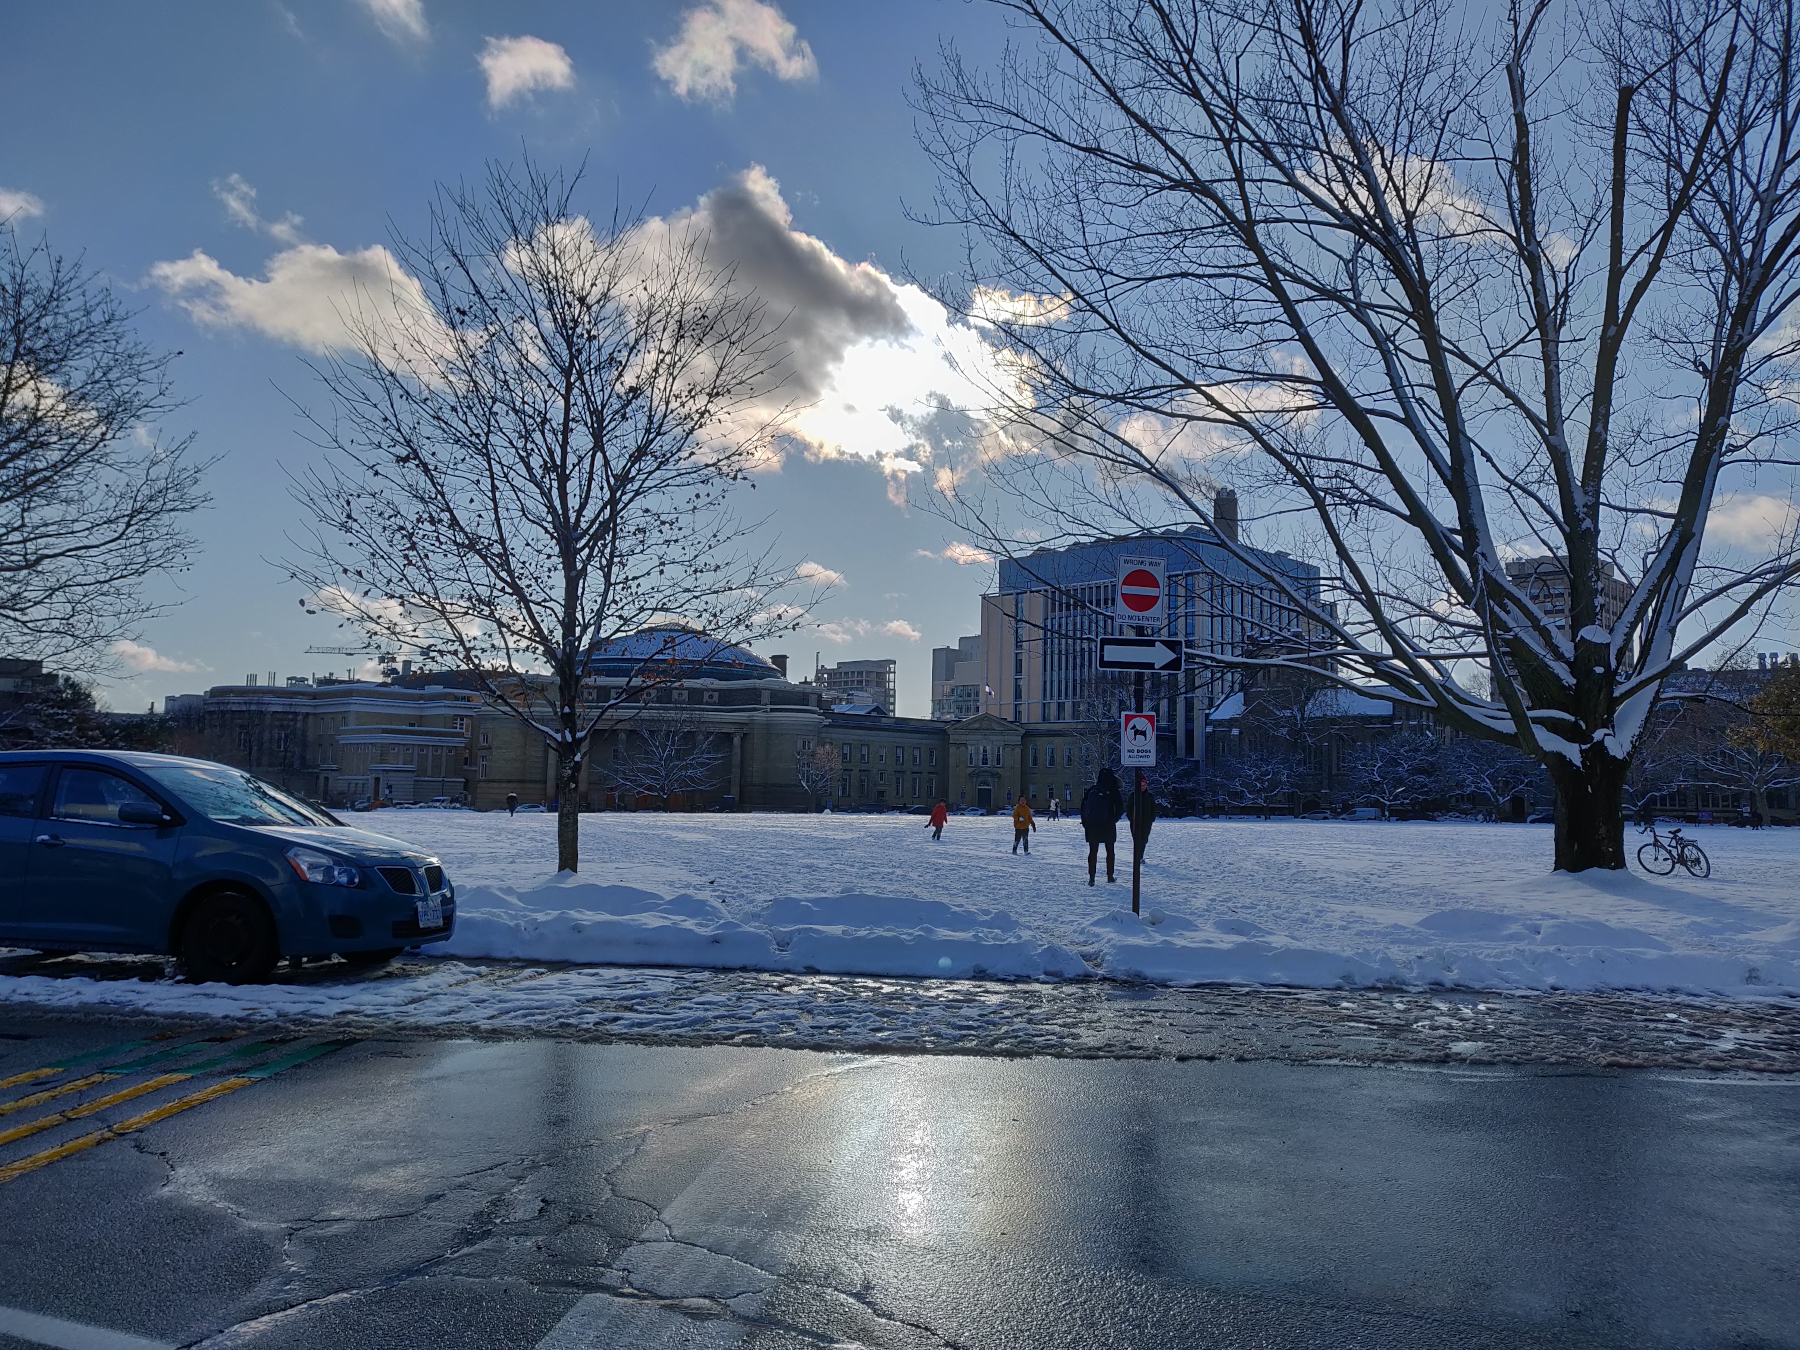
x=1023, y=825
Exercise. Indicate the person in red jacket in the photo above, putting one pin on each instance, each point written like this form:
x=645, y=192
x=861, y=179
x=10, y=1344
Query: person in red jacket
x=939, y=814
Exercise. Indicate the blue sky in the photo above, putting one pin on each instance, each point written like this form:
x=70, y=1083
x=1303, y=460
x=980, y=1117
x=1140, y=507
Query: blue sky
x=231, y=164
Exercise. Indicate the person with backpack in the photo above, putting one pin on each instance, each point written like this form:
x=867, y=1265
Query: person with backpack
x=1101, y=806
x=1023, y=825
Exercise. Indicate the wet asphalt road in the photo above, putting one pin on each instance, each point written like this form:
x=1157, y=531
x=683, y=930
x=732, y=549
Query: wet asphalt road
x=437, y=1193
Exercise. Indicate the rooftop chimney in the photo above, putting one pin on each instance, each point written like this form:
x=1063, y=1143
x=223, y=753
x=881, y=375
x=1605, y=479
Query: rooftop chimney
x=1225, y=514
x=780, y=663
x=405, y=669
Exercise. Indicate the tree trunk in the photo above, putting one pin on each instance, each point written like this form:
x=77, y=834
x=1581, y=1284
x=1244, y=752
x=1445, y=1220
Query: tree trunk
x=568, y=805
x=1590, y=827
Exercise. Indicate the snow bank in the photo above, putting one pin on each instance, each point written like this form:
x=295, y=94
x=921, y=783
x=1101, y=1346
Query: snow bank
x=1300, y=903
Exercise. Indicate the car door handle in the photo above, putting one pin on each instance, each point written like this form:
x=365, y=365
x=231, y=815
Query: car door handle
x=49, y=840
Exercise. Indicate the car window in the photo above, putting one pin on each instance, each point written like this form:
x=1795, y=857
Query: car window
x=233, y=797
x=94, y=794
x=21, y=786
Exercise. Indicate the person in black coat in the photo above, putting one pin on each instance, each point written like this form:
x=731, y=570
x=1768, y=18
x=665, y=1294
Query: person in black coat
x=1101, y=806
x=1140, y=814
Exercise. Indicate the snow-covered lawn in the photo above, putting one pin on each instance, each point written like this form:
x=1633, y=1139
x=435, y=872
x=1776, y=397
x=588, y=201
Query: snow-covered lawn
x=1318, y=904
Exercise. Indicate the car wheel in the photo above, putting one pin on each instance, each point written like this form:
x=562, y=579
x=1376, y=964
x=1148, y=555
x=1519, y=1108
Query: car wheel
x=229, y=939
x=375, y=958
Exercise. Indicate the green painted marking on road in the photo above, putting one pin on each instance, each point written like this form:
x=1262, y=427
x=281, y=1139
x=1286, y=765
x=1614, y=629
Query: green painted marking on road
x=301, y=1056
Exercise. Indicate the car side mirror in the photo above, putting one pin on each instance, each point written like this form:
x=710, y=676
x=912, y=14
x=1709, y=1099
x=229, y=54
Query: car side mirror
x=142, y=813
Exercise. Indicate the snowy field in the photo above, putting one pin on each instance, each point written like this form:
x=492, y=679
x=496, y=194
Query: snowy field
x=1299, y=903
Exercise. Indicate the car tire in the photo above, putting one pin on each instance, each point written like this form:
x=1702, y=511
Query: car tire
x=380, y=957
x=229, y=938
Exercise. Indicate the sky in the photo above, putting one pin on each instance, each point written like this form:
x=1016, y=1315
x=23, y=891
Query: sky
x=236, y=168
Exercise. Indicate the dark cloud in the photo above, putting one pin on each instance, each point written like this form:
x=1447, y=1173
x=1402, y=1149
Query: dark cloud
x=823, y=304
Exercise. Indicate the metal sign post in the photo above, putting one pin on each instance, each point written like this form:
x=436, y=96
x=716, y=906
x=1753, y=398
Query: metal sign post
x=1137, y=750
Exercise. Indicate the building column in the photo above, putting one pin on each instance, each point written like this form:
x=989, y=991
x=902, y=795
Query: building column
x=737, y=767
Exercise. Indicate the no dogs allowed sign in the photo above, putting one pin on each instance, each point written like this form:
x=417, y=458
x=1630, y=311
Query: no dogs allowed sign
x=1137, y=740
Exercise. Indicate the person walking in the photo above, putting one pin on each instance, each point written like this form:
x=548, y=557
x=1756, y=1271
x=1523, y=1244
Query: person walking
x=1101, y=806
x=1023, y=825
x=512, y=803
x=939, y=814
x=1055, y=806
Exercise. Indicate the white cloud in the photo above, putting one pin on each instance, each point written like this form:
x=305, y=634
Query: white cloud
x=1758, y=523
x=963, y=555
x=141, y=659
x=311, y=295
x=18, y=205
x=517, y=66
x=239, y=200
x=989, y=305
x=841, y=631
x=400, y=20
x=718, y=36
x=819, y=575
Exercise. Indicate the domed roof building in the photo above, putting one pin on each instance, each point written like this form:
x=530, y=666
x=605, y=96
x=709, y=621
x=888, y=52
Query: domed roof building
x=676, y=651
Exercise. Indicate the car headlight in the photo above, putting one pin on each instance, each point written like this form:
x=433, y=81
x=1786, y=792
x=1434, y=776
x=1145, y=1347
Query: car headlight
x=322, y=868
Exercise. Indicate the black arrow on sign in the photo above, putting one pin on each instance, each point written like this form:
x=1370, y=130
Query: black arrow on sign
x=1139, y=654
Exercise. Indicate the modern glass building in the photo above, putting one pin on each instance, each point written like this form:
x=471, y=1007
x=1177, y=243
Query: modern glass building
x=1039, y=629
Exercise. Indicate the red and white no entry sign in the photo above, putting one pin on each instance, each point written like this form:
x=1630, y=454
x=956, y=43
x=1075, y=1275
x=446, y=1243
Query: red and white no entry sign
x=1141, y=587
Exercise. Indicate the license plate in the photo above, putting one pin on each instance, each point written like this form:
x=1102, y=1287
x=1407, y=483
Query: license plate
x=431, y=913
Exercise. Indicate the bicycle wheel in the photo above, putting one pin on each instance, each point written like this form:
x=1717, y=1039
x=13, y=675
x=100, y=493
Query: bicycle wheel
x=1655, y=859
x=1694, y=858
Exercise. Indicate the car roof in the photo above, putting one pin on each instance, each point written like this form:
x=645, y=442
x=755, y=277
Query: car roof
x=141, y=759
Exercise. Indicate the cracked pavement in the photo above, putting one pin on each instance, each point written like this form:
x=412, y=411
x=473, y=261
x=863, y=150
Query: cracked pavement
x=454, y=1192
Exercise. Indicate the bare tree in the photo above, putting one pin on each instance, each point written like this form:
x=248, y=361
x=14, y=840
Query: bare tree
x=663, y=753
x=1447, y=285
x=530, y=457
x=1399, y=771
x=91, y=502
x=1258, y=778
x=1489, y=773
x=816, y=769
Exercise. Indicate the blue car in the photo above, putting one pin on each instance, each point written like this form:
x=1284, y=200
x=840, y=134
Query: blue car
x=126, y=852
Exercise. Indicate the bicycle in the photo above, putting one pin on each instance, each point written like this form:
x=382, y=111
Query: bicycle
x=1659, y=858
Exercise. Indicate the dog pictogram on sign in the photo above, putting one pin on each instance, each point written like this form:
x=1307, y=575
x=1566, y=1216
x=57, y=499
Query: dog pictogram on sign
x=1137, y=740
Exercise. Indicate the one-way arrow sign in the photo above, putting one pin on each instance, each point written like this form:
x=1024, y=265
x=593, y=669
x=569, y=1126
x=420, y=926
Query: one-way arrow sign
x=1125, y=653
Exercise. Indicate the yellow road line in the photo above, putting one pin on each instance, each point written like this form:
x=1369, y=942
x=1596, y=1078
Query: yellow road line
x=50, y=1094
x=87, y=1141
x=32, y=1127
x=29, y=1076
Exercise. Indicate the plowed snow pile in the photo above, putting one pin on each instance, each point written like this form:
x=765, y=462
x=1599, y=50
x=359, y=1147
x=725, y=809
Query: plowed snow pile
x=1307, y=903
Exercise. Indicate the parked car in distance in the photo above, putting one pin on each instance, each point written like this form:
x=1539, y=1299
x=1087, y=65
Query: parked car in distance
x=1315, y=815
x=1541, y=818
x=129, y=852
x=1362, y=813
x=533, y=808
x=918, y=810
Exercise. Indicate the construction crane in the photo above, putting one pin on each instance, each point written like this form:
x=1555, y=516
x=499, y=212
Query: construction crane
x=381, y=657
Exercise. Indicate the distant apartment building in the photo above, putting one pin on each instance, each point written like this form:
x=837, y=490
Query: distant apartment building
x=956, y=674
x=864, y=682
x=1546, y=583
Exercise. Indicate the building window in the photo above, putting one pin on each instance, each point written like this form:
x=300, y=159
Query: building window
x=864, y=752
x=862, y=783
x=881, y=778
x=484, y=738
x=484, y=766
x=881, y=754
x=846, y=752
x=915, y=761
x=931, y=759
x=844, y=785
x=984, y=756
x=971, y=756
x=1034, y=753
x=712, y=696
x=915, y=785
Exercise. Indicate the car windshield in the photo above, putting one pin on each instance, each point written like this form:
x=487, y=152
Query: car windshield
x=234, y=798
